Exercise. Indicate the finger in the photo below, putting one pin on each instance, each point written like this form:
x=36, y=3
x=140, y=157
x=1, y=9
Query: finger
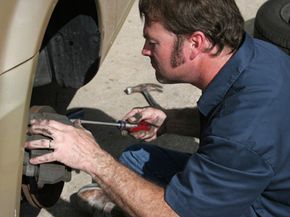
x=139, y=135
x=44, y=130
x=78, y=124
x=48, y=122
x=150, y=139
x=144, y=135
x=149, y=135
x=37, y=144
x=131, y=115
x=43, y=158
x=147, y=114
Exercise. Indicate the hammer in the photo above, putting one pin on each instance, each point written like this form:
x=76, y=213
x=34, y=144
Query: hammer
x=144, y=89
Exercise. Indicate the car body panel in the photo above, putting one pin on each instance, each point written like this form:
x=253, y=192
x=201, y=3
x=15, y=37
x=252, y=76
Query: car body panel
x=118, y=9
x=15, y=93
x=22, y=30
x=23, y=24
x=15, y=47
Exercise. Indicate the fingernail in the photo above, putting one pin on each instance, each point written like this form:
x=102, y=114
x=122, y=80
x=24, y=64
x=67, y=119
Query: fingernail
x=137, y=116
x=32, y=161
x=32, y=121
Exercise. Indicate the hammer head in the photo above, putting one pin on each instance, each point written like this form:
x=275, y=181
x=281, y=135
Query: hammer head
x=143, y=87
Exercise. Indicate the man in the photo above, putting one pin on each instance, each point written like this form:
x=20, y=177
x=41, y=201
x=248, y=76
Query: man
x=242, y=166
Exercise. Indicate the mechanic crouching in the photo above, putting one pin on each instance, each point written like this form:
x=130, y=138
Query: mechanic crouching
x=242, y=166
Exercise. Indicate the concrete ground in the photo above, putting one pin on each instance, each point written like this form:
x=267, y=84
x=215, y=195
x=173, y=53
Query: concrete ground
x=104, y=99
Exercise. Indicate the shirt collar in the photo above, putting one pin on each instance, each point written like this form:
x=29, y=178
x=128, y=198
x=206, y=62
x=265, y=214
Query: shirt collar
x=225, y=78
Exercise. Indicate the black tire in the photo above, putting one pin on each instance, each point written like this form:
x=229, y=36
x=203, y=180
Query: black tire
x=272, y=23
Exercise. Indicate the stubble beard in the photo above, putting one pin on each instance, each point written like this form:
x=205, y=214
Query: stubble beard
x=177, y=57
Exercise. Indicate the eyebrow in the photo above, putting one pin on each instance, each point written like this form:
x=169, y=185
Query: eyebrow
x=147, y=37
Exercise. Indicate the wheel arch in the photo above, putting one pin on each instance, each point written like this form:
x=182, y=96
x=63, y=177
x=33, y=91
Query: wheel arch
x=70, y=51
x=22, y=30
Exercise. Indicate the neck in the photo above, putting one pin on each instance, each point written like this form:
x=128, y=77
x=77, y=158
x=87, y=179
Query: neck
x=210, y=66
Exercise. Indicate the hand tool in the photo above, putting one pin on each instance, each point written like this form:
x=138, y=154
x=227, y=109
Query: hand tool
x=122, y=125
x=144, y=89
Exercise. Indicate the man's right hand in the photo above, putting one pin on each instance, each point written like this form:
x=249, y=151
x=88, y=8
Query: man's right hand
x=150, y=115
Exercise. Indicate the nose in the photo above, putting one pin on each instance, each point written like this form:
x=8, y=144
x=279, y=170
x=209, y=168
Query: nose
x=146, y=51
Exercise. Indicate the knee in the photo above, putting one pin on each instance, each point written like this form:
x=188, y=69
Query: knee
x=133, y=154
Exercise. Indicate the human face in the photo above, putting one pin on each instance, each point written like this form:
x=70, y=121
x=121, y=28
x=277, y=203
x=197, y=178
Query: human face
x=166, y=52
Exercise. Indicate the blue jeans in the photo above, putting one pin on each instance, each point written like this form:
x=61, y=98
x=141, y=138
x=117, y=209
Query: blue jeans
x=154, y=163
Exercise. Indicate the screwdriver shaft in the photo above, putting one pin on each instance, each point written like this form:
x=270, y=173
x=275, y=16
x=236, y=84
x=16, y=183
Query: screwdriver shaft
x=104, y=123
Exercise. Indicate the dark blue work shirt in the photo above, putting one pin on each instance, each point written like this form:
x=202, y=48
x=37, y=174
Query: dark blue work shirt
x=242, y=168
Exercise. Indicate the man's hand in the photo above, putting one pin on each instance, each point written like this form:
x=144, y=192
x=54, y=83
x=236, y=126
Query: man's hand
x=72, y=145
x=150, y=115
x=75, y=147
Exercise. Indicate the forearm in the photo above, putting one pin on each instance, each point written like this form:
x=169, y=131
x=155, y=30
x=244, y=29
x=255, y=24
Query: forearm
x=184, y=122
x=131, y=192
x=77, y=148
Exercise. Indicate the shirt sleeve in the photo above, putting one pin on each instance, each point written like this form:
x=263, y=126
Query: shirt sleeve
x=222, y=179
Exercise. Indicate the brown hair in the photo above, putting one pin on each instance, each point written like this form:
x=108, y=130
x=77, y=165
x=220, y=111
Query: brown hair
x=220, y=20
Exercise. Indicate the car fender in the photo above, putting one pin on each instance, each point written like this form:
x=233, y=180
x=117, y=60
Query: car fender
x=109, y=30
x=22, y=30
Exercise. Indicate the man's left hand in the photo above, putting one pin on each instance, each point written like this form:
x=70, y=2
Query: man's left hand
x=73, y=146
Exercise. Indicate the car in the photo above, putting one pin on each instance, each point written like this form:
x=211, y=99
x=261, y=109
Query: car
x=48, y=50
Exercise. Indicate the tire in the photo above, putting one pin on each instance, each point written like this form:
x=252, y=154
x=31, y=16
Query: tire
x=272, y=23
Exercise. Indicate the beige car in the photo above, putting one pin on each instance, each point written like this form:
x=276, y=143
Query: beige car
x=48, y=49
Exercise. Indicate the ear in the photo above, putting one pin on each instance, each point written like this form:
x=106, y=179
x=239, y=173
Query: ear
x=198, y=43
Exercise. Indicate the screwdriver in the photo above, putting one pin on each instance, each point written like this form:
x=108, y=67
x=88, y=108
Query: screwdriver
x=122, y=125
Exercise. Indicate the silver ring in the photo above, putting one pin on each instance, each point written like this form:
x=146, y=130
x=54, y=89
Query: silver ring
x=49, y=145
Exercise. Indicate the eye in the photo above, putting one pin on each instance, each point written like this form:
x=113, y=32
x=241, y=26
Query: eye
x=152, y=43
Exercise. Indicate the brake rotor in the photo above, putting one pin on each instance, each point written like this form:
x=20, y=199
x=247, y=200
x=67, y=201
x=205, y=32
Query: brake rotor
x=43, y=197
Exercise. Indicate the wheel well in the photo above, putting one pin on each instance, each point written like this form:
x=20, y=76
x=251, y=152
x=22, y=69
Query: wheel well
x=70, y=54
x=70, y=51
